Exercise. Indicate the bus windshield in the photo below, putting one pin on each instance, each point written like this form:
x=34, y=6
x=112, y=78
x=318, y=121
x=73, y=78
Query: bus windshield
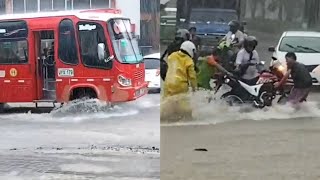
x=124, y=41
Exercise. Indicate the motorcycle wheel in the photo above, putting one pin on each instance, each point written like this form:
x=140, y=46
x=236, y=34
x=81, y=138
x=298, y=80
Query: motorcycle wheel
x=231, y=99
x=266, y=99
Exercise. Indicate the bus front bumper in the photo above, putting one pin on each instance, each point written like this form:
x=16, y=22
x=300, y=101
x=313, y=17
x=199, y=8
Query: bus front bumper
x=124, y=94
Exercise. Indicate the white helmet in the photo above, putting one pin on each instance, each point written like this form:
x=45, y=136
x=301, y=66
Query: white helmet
x=189, y=47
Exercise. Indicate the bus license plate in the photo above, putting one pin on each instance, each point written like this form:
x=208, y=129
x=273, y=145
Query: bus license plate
x=139, y=92
x=65, y=72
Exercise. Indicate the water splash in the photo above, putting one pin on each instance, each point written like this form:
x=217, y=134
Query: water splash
x=86, y=110
x=218, y=111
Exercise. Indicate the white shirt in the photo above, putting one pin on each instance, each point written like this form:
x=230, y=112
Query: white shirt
x=243, y=57
x=239, y=35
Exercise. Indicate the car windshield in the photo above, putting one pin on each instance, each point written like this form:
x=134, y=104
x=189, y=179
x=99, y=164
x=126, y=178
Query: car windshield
x=205, y=16
x=300, y=44
x=152, y=63
x=124, y=41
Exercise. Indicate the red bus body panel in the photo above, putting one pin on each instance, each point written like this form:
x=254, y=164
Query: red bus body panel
x=25, y=85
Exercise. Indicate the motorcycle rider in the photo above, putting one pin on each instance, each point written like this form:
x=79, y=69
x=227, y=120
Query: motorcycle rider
x=247, y=61
x=301, y=77
x=181, y=36
x=180, y=74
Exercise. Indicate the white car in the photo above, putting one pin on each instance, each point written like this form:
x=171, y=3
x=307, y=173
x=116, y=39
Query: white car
x=306, y=46
x=152, y=71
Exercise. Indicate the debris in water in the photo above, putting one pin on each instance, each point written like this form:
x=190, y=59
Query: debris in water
x=200, y=149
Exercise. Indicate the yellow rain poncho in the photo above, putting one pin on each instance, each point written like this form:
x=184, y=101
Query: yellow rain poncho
x=175, y=104
x=180, y=73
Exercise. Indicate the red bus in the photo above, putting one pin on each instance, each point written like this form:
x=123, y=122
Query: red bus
x=62, y=56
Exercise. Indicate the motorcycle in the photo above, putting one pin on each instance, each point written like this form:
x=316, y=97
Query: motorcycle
x=260, y=95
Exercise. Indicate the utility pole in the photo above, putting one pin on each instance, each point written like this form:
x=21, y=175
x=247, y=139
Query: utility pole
x=183, y=13
x=311, y=12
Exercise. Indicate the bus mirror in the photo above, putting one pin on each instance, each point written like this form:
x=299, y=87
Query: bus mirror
x=101, y=51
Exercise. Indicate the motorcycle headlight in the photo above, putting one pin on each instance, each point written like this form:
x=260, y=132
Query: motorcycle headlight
x=227, y=80
x=123, y=81
x=281, y=68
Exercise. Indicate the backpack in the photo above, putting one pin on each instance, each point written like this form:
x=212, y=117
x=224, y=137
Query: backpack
x=173, y=47
x=163, y=66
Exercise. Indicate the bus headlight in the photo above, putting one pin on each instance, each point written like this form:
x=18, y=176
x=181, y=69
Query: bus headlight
x=123, y=81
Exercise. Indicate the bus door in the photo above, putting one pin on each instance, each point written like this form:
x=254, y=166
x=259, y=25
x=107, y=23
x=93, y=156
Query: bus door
x=45, y=63
x=16, y=68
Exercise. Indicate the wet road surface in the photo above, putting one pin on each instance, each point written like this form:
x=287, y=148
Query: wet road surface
x=94, y=143
x=229, y=143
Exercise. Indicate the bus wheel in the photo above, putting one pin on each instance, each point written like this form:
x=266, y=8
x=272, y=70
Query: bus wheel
x=83, y=93
x=2, y=107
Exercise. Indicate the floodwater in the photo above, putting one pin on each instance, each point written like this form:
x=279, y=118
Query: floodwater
x=242, y=143
x=83, y=140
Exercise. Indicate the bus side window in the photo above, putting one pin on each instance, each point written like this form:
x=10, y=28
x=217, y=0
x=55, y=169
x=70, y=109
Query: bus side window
x=90, y=35
x=67, y=43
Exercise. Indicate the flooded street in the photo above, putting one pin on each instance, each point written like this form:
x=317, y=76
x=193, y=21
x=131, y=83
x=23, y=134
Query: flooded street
x=249, y=150
x=95, y=143
x=243, y=143
x=226, y=143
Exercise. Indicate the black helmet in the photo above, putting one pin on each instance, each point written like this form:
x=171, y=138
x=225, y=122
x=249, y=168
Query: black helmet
x=234, y=23
x=250, y=41
x=192, y=28
x=182, y=34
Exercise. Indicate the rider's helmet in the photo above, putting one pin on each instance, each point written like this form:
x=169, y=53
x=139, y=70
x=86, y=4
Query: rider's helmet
x=189, y=48
x=182, y=34
x=234, y=25
x=192, y=28
x=251, y=42
x=254, y=39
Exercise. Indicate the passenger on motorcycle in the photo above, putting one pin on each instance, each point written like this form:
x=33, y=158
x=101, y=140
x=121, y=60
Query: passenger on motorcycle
x=238, y=39
x=243, y=31
x=301, y=77
x=247, y=61
x=181, y=36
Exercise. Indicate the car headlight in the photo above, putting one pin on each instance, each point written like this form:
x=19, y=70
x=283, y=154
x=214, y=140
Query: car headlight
x=123, y=81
